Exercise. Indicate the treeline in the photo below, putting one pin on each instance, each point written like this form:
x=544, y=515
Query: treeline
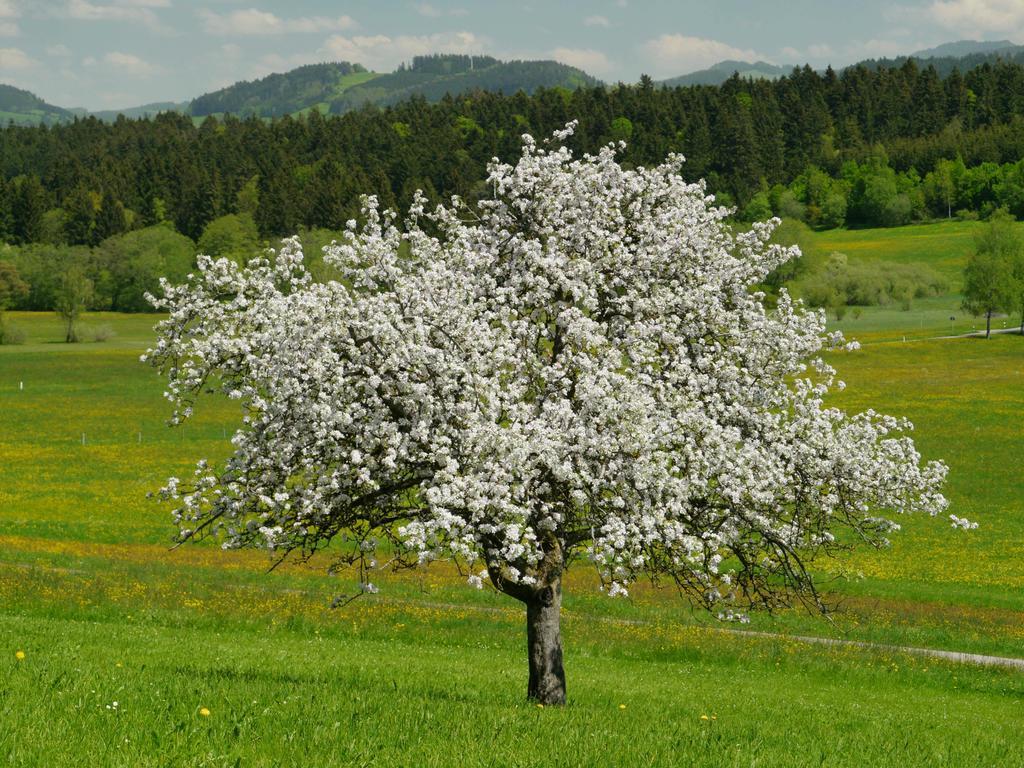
x=122, y=269
x=859, y=148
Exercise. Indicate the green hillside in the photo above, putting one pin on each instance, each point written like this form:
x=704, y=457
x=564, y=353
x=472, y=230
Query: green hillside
x=338, y=87
x=432, y=77
x=283, y=94
x=25, y=108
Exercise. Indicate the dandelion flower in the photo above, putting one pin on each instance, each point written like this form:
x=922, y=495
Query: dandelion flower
x=703, y=717
x=622, y=706
x=19, y=655
x=540, y=706
x=204, y=712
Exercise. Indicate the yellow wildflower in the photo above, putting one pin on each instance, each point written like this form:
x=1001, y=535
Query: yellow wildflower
x=703, y=717
x=204, y=712
x=19, y=655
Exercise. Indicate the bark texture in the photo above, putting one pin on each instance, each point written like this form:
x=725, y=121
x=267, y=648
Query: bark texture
x=543, y=601
x=544, y=646
x=543, y=598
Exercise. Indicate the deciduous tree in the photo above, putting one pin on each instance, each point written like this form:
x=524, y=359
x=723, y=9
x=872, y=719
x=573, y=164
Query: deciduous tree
x=73, y=297
x=575, y=370
x=12, y=288
x=989, y=274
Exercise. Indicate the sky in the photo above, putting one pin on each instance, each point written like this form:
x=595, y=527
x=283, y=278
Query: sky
x=104, y=54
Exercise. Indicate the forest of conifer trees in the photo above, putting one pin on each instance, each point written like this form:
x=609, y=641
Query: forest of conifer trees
x=865, y=146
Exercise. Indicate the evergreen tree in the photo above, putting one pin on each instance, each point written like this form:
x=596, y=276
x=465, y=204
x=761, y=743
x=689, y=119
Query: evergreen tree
x=275, y=213
x=110, y=219
x=27, y=209
x=81, y=216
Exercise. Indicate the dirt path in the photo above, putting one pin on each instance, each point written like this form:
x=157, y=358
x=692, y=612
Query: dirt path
x=933, y=653
x=976, y=334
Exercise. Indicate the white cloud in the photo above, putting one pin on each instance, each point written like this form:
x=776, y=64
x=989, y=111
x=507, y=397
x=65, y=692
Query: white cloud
x=254, y=22
x=275, y=62
x=428, y=10
x=59, y=51
x=9, y=11
x=381, y=52
x=589, y=60
x=679, y=54
x=137, y=11
x=596, y=21
x=978, y=16
x=129, y=64
x=13, y=59
x=125, y=63
x=433, y=12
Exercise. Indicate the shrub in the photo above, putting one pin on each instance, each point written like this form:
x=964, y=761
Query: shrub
x=103, y=332
x=869, y=283
x=11, y=333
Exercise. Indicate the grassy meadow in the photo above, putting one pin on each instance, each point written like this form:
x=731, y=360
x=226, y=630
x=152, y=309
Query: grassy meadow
x=944, y=247
x=213, y=661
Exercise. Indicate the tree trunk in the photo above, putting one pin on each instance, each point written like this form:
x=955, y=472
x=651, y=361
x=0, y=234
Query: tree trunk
x=988, y=324
x=544, y=646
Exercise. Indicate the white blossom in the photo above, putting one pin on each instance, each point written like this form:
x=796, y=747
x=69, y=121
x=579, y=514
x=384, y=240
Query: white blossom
x=576, y=367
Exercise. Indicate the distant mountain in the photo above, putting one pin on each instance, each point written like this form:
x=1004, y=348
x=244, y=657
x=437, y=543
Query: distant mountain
x=962, y=48
x=944, y=65
x=146, y=110
x=962, y=55
x=723, y=70
x=24, y=108
x=340, y=86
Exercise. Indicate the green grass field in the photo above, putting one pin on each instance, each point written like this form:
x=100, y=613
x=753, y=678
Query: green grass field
x=213, y=661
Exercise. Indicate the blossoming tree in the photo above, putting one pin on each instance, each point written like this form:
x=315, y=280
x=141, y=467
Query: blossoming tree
x=576, y=369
